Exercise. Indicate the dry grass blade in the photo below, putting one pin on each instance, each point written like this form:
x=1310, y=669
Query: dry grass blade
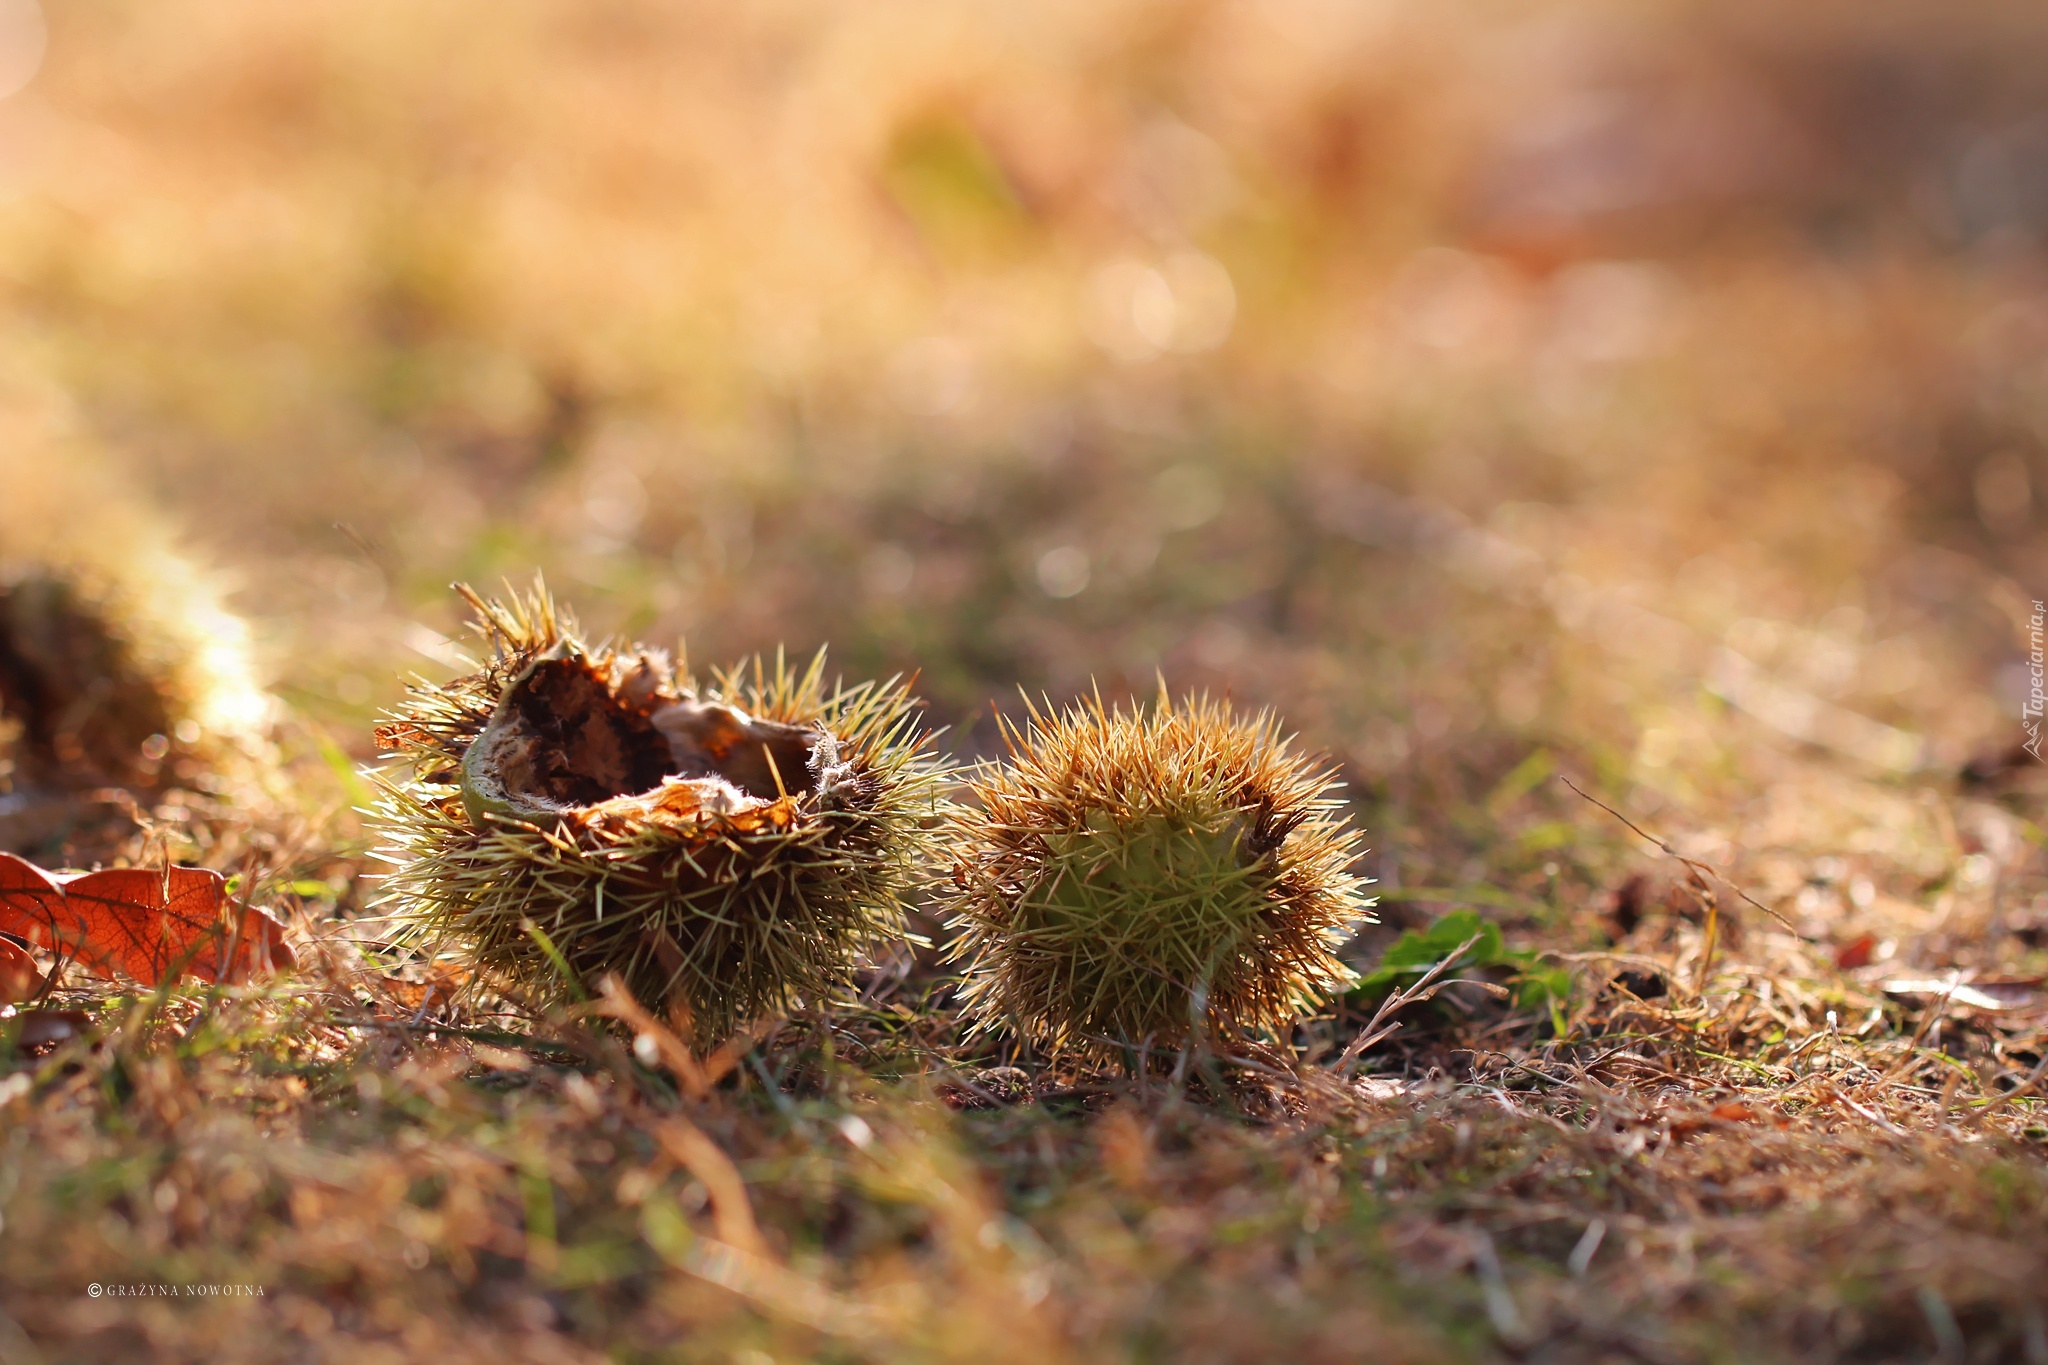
x=617, y=1002
x=1373, y=1032
x=2019, y=1092
x=706, y=1160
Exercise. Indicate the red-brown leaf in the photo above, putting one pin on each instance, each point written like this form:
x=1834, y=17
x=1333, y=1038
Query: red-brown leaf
x=19, y=977
x=146, y=923
x=1860, y=951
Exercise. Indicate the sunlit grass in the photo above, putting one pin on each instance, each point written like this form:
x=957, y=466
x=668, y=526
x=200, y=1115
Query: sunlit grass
x=1638, y=399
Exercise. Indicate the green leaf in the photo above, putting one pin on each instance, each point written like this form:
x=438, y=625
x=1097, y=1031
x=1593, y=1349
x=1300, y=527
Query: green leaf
x=1415, y=952
x=1544, y=988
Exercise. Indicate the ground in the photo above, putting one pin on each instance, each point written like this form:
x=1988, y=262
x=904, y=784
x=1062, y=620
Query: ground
x=1615, y=440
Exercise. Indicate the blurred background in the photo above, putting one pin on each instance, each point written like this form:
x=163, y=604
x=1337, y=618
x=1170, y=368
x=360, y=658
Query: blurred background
x=1656, y=391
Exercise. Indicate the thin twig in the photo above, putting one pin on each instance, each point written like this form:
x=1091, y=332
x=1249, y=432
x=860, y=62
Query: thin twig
x=1934, y=1013
x=1879, y=1119
x=731, y=1211
x=1421, y=990
x=2019, y=1091
x=697, y=1077
x=1693, y=865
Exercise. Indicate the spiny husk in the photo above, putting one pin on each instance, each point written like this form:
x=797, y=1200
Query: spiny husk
x=71, y=679
x=126, y=686
x=1128, y=877
x=102, y=678
x=720, y=901
x=120, y=664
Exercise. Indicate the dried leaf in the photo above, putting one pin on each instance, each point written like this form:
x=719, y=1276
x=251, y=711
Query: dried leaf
x=1992, y=997
x=143, y=922
x=2012, y=993
x=37, y=1031
x=1381, y=1088
x=1860, y=951
x=20, y=979
x=441, y=986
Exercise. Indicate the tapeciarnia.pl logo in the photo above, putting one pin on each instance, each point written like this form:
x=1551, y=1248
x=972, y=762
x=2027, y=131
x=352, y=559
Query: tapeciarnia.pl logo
x=2037, y=694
